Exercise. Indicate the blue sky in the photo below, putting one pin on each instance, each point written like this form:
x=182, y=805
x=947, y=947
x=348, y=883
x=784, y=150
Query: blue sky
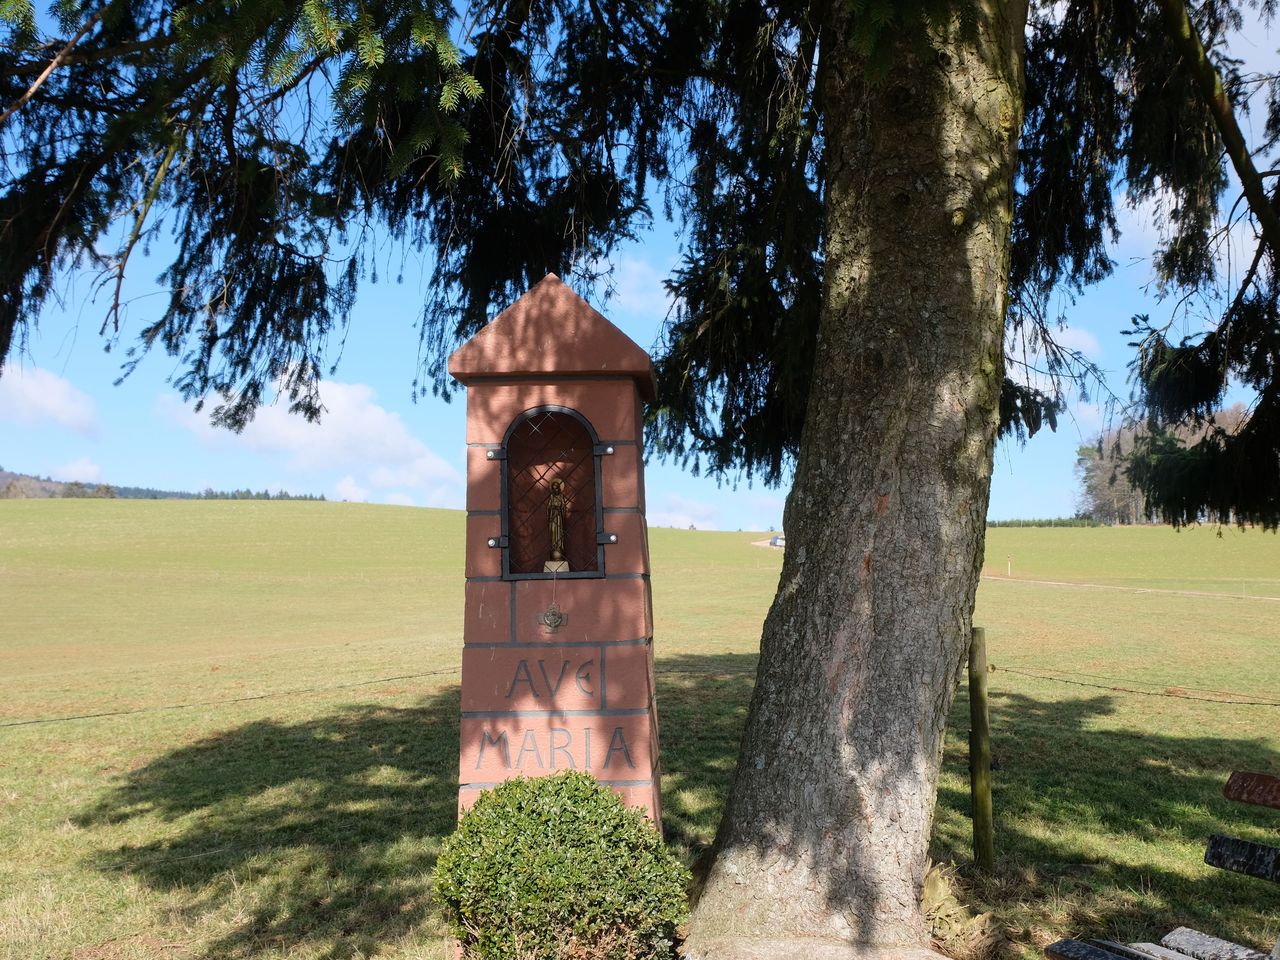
x=61, y=416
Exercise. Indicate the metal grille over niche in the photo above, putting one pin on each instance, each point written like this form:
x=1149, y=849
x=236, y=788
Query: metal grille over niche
x=549, y=446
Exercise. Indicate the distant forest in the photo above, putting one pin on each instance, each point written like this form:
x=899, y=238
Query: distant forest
x=24, y=486
x=1078, y=521
x=1107, y=494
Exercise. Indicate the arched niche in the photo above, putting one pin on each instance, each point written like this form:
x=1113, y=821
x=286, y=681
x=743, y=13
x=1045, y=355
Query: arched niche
x=544, y=445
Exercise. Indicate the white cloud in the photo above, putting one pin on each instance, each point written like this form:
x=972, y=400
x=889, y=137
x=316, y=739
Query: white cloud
x=764, y=511
x=352, y=429
x=34, y=397
x=1026, y=362
x=83, y=470
x=1077, y=338
x=371, y=445
x=400, y=500
x=682, y=512
x=1136, y=223
x=638, y=290
x=1090, y=418
x=1140, y=236
x=348, y=489
x=424, y=471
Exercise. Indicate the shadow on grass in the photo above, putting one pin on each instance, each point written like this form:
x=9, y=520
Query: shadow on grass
x=319, y=836
x=702, y=707
x=1083, y=813
x=1086, y=816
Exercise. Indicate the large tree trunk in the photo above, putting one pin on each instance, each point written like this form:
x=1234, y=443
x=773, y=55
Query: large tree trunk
x=828, y=822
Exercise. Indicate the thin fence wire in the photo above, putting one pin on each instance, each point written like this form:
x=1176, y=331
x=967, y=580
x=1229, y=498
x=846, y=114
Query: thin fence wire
x=1161, y=684
x=216, y=703
x=1170, y=691
x=1133, y=588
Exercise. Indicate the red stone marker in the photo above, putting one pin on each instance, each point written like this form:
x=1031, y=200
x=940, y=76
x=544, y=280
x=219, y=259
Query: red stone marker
x=1256, y=788
x=557, y=664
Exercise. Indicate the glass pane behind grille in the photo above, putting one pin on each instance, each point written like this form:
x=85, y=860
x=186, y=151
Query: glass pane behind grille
x=545, y=447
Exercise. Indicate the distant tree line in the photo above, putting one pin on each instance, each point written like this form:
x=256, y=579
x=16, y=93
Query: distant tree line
x=1106, y=494
x=1105, y=467
x=1079, y=521
x=22, y=486
x=150, y=493
x=247, y=494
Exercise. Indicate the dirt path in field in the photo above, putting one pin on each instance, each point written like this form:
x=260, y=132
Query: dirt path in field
x=1111, y=586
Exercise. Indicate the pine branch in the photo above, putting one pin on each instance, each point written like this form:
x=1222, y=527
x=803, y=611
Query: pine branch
x=53, y=64
x=1187, y=40
x=136, y=234
x=105, y=53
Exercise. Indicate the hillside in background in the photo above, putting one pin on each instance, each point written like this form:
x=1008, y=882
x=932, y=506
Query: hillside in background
x=230, y=729
x=24, y=486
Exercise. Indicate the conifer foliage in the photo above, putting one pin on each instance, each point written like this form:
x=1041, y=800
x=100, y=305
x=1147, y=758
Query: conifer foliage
x=216, y=122
x=280, y=142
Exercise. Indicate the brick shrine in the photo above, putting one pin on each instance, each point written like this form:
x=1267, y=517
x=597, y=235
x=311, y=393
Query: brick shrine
x=557, y=662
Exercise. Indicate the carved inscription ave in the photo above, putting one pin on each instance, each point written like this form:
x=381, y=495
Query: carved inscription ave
x=513, y=680
x=542, y=679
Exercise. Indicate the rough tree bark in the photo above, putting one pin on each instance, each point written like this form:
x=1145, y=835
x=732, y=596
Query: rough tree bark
x=828, y=822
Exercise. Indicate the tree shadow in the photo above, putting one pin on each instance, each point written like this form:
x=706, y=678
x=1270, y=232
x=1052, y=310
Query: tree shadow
x=1079, y=807
x=702, y=707
x=1076, y=803
x=320, y=836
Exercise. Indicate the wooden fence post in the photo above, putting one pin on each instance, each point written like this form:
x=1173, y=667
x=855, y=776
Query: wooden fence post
x=984, y=843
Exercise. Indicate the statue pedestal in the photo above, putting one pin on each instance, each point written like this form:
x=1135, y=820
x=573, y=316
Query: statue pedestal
x=557, y=660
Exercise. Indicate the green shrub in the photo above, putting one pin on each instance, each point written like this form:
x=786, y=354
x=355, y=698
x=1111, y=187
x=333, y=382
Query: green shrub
x=557, y=867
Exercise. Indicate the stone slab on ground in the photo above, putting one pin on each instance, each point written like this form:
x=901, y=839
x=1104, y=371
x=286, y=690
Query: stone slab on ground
x=1202, y=946
x=798, y=948
x=1163, y=953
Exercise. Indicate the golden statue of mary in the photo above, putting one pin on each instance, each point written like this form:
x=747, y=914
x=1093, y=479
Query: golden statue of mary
x=555, y=525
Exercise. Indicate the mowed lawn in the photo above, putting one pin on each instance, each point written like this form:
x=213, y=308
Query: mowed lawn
x=257, y=756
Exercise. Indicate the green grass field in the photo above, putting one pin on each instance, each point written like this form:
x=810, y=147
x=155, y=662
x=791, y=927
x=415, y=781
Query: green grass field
x=264, y=760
